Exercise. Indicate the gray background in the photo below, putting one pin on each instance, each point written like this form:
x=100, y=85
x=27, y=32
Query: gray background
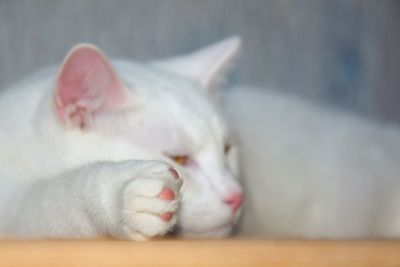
x=343, y=53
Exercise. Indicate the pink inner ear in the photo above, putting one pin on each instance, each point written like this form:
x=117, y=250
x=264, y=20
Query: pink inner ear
x=86, y=84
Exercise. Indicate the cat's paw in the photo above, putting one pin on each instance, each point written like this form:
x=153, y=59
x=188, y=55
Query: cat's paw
x=150, y=201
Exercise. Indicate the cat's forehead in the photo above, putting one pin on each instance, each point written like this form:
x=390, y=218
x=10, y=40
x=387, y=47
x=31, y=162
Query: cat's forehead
x=185, y=106
x=156, y=82
x=172, y=92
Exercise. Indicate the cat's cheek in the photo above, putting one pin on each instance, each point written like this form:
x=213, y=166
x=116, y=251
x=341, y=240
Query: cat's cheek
x=192, y=165
x=224, y=232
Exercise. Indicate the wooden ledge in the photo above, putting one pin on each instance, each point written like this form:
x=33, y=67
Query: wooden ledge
x=221, y=253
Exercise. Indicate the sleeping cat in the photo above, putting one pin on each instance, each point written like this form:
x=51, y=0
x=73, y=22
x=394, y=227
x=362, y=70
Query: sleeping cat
x=311, y=172
x=97, y=148
x=93, y=149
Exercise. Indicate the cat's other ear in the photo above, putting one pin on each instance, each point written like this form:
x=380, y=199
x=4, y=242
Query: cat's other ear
x=87, y=85
x=209, y=65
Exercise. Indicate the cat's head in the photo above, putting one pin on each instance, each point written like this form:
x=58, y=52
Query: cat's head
x=169, y=109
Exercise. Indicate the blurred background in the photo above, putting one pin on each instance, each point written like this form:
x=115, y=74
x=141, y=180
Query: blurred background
x=343, y=53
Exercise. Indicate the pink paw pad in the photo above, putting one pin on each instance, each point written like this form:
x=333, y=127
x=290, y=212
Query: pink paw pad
x=166, y=194
x=166, y=216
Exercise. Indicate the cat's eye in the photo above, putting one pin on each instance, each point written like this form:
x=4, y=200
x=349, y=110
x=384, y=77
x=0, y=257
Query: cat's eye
x=227, y=147
x=180, y=159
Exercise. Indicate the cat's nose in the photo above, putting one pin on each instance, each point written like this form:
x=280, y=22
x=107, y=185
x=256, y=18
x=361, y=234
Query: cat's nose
x=235, y=201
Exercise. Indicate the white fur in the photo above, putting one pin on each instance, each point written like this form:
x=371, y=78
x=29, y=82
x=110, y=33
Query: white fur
x=308, y=171
x=60, y=181
x=311, y=172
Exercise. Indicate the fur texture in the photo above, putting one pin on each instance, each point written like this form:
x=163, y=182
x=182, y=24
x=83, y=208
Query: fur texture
x=311, y=172
x=87, y=149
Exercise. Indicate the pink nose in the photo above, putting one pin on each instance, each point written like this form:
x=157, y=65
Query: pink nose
x=235, y=201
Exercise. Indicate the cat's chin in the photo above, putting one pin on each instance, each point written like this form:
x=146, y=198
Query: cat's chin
x=219, y=232
x=215, y=232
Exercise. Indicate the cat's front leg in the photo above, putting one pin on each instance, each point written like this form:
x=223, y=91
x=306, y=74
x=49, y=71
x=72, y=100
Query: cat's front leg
x=128, y=200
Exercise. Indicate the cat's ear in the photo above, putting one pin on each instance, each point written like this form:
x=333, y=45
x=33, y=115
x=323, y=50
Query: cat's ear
x=208, y=65
x=87, y=85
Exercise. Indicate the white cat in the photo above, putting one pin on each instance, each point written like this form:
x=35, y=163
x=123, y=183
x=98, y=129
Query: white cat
x=311, y=172
x=88, y=150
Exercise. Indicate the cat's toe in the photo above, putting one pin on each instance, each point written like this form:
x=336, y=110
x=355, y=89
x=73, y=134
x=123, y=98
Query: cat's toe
x=151, y=203
x=166, y=216
x=151, y=216
x=167, y=194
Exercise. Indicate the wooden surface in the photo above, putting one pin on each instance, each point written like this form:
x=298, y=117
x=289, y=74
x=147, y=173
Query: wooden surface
x=230, y=253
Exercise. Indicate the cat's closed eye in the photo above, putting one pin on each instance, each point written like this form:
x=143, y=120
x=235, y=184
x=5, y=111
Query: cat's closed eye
x=227, y=148
x=180, y=159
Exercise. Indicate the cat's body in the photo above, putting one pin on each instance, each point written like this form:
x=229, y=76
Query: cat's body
x=87, y=150
x=311, y=172
x=78, y=144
